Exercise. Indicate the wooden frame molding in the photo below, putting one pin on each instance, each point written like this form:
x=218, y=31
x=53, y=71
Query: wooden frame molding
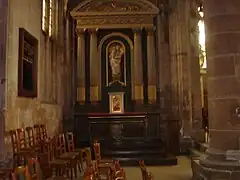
x=27, y=64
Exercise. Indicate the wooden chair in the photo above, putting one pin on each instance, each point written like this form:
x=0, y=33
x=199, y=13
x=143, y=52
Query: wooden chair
x=18, y=154
x=84, y=153
x=145, y=174
x=97, y=154
x=49, y=163
x=43, y=132
x=36, y=128
x=105, y=166
x=21, y=173
x=61, y=153
x=35, y=171
x=90, y=173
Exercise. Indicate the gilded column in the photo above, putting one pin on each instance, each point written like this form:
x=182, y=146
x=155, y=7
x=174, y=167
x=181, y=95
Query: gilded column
x=137, y=67
x=151, y=66
x=81, y=66
x=94, y=68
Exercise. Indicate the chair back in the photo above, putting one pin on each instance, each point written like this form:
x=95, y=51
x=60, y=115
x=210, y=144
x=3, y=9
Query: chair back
x=14, y=141
x=37, y=133
x=89, y=173
x=60, y=144
x=97, y=151
x=70, y=141
x=21, y=173
x=21, y=138
x=34, y=169
x=30, y=136
x=43, y=132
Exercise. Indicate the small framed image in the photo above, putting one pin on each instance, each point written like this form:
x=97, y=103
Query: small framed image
x=116, y=102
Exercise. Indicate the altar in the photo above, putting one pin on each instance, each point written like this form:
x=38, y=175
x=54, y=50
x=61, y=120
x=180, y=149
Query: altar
x=128, y=137
x=117, y=90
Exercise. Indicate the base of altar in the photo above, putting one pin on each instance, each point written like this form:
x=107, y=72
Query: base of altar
x=128, y=137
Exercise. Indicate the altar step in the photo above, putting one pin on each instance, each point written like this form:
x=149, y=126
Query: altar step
x=135, y=153
x=149, y=161
x=129, y=152
x=129, y=144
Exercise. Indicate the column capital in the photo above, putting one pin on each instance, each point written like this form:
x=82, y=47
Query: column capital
x=150, y=30
x=137, y=30
x=93, y=30
x=80, y=31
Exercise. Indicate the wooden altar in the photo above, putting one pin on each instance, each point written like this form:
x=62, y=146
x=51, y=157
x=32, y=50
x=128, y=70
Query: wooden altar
x=128, y=137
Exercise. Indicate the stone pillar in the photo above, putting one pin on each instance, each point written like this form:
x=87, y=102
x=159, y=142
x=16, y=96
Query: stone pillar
x=195, y=78
x=94, y=68
x=81, y=66
x=151, y=66
x=3, y=41
x=137, y=81
x=222, y=47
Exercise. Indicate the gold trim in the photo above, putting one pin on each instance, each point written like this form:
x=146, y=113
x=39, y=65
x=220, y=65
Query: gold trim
x=116, y=102
x=94, y=93
x=115, y=34
x=81, y=94
x=138, y=92
x=152, y=94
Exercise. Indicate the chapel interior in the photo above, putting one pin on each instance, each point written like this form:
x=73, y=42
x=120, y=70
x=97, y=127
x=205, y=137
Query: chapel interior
x=120, y=89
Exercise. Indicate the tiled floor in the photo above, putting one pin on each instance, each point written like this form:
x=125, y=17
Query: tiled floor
x=182, y=171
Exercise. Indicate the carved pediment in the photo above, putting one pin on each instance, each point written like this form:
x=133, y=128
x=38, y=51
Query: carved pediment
x=114, y=7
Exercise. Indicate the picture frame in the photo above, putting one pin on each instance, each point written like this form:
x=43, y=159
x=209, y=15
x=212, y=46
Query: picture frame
x=116, y=102
x=27, y=64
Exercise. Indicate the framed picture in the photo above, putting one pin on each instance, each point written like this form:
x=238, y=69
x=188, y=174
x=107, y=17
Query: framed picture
x=27, y=64
x=116, y=102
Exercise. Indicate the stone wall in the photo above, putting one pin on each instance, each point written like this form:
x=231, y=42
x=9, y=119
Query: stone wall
x=53, y=70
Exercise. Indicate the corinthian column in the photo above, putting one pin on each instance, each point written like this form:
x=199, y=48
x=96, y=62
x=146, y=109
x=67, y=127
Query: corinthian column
x=94, y=68
x=137, y=81
x=151, y=66
x=81, y=66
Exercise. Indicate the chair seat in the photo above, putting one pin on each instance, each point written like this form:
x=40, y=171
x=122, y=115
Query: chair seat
x=68, y=155
x=107, y=161
x=58, y=162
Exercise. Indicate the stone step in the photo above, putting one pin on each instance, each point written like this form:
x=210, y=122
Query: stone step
x=196, y=168
x=202, y=147
x=133, y=161
x=134, y=153
x=195, y=153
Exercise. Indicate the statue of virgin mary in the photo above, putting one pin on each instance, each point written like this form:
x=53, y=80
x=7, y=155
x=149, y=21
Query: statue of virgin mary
x=115, y=58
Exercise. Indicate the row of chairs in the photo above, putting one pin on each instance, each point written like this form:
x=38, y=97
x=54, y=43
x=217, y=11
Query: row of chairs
x=56, y=153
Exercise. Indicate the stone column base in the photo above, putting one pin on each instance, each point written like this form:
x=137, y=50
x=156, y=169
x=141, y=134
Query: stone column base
x=206, y=168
